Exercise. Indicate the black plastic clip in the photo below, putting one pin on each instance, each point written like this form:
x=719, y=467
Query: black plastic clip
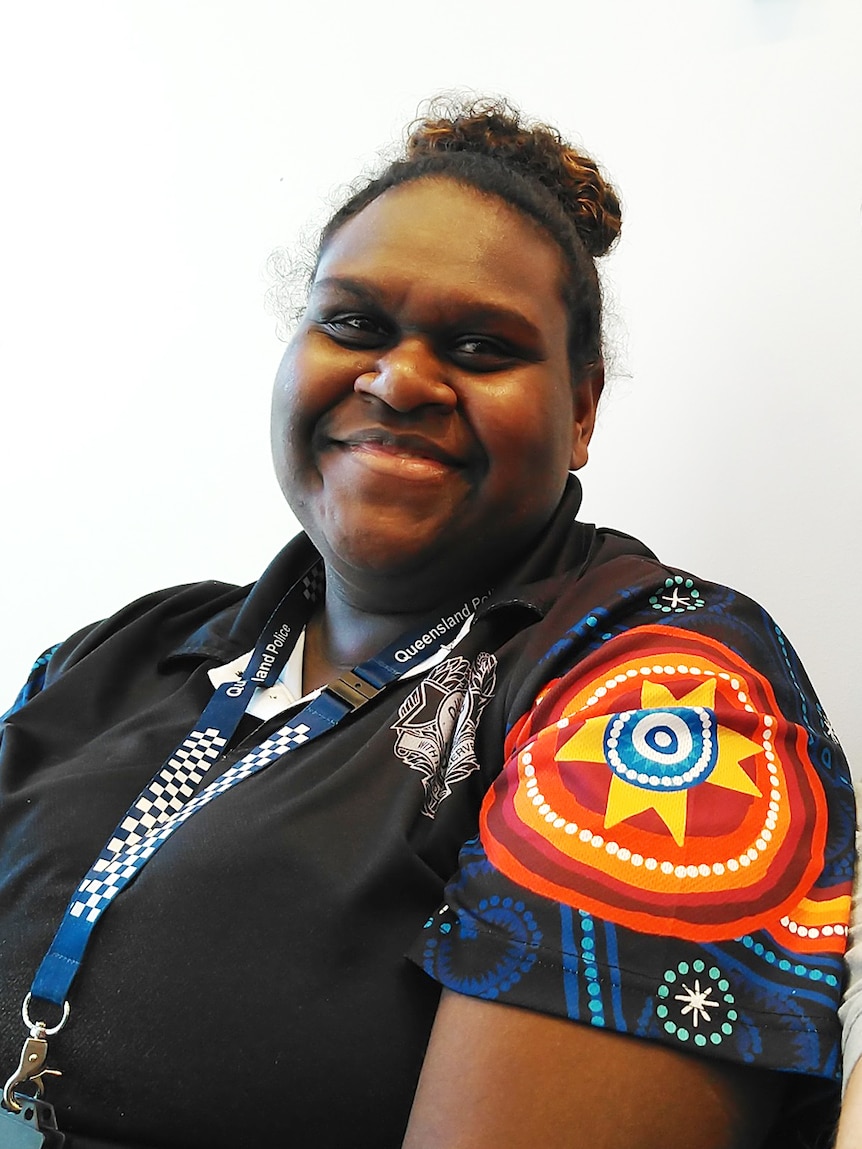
x=352, y=689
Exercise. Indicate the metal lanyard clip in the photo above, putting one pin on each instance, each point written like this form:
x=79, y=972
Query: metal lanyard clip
x=31, y=1064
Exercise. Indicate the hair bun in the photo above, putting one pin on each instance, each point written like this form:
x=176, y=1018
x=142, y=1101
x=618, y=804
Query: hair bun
x=496, y=129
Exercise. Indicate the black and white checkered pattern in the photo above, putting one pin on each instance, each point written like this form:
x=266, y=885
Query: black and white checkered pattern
x=110, y=874
x=168, y=792
x=285, y=739
x=313, y=583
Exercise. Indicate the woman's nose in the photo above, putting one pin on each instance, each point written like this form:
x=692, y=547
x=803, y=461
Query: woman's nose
x=408, y=376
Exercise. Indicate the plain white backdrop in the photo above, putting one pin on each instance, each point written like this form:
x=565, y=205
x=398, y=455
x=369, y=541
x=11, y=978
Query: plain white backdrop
x=156, y=151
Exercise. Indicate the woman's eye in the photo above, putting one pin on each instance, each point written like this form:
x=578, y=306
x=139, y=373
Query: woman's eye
x=482, y=353
x=357, y=330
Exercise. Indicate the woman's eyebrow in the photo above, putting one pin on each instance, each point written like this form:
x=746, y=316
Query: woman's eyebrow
x=353, y=287
x=496, y=313
x=457, y=309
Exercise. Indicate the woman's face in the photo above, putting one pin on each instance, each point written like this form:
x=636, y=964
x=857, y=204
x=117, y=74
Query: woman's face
x=424, y=418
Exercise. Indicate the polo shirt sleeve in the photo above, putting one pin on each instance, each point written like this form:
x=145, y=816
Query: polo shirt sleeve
x=667, y=851
x=35, y=681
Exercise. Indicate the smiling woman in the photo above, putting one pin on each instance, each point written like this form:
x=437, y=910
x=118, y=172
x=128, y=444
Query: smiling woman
x=431, y=387
x=452, y=741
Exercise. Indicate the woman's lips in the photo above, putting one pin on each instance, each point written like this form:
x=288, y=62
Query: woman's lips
x=389, y=460
x=404, y=456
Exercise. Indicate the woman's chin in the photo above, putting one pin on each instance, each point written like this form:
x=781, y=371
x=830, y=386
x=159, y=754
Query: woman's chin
x=381, y=558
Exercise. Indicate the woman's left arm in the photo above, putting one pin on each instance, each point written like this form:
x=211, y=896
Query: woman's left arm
x=850, y=1126
x=498, y=1075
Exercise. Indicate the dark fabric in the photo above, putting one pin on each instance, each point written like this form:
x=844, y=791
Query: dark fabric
x=251, y=986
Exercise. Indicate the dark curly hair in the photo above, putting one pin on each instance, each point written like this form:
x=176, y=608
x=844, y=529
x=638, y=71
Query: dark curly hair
x=489, y=146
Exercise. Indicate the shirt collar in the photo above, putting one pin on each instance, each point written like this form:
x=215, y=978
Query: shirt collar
x=564, y=548
x=234, y=630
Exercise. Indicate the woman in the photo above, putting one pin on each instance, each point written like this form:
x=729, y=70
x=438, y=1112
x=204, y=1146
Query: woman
x=592, y=797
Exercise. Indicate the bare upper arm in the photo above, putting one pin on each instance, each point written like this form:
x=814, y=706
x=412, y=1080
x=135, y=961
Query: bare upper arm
x=850, y=1126
x=499, y=1076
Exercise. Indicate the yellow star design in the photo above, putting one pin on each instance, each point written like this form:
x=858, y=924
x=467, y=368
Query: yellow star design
x=626, y=800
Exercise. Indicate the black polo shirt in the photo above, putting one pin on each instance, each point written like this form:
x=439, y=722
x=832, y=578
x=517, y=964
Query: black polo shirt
x=616, y=800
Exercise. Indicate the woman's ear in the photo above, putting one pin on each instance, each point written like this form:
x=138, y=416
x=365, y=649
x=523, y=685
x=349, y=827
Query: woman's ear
x=587, y=392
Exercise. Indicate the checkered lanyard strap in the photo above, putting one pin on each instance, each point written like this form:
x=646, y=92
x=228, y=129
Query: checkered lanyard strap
x=153, y=815
x=169, y=800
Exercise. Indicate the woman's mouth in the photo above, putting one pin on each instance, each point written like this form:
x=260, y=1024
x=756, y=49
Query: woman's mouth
x=406, y=456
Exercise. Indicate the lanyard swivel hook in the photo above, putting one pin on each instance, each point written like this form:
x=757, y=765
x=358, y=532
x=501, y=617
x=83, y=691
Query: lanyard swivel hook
x=34, y=1052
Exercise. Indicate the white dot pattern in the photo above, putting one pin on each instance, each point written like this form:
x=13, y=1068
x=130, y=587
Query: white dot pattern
x=591, y=836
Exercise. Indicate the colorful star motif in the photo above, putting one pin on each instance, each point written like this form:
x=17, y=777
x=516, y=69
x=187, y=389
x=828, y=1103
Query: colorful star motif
x=593, y=807
x=658, y=753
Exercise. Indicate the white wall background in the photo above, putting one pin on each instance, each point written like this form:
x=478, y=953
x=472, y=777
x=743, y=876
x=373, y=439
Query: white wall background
x=154, y=152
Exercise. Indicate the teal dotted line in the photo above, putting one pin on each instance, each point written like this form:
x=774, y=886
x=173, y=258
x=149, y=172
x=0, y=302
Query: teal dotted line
x=680, y=1032
x=591, y=972
x=799, y=689
x=786, y=966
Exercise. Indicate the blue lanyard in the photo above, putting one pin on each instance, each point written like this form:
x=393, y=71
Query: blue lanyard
x=169, y=799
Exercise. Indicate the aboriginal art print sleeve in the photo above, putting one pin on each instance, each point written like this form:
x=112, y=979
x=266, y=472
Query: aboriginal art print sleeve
x=667, y=851
x=35, y=681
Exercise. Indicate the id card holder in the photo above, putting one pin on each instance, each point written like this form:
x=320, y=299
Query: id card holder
x=35, y=1127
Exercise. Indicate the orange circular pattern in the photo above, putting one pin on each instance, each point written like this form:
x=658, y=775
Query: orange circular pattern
x=578, y=815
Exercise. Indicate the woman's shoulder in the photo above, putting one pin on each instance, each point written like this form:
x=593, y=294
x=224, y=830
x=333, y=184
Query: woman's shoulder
x=621, y=604
x=165, y=621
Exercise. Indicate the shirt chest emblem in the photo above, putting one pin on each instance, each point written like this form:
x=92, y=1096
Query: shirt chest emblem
x=435, y=730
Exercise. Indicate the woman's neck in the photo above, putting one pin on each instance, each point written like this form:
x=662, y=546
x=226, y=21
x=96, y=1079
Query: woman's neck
x=340, y=636
x=343, y=632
